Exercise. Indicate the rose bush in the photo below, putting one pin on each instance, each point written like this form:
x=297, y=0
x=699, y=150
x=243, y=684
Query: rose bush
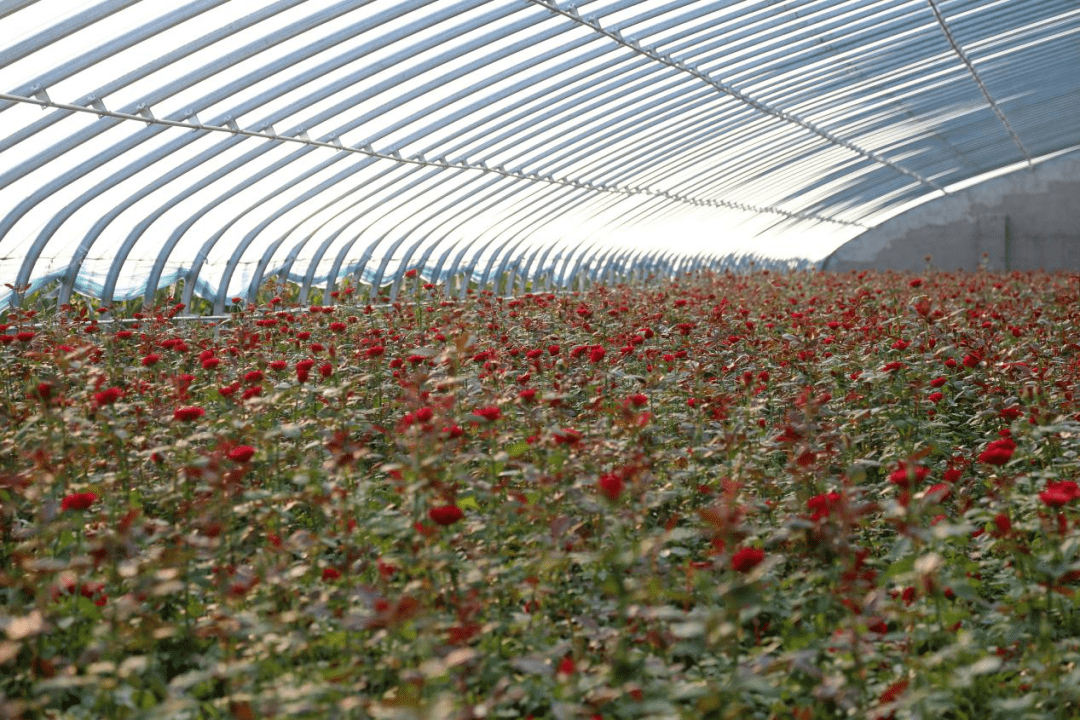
x=808, y=495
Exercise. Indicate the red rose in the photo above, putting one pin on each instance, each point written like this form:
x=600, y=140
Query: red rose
x=893, y=691
x=330, y=574
x=491, y=414
x=109, y=396
x=998, y=452
x=938, y=492
x=446, y=514
x=303, y=369
x=241, y=453
x=78, y=501
x=823, y=504
x=746, y=559
x=1060, y=493
x=94, y=592
x=567, y=436
x=596, y=354
x=150, y=360
x=187, y=414
x=904, y=475
x=1003, y=524
x=611, y=486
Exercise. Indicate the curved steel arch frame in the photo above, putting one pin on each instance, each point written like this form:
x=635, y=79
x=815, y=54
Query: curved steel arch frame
x=521, y=137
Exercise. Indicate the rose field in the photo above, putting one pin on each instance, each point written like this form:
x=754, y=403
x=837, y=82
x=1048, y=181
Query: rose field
x=802, y=495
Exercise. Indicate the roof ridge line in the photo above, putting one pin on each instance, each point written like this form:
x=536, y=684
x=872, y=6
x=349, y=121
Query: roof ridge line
x=570, y=11
x=145, y=116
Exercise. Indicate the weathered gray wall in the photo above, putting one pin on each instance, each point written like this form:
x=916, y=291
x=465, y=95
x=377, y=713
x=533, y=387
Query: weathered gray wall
x=1040, y=209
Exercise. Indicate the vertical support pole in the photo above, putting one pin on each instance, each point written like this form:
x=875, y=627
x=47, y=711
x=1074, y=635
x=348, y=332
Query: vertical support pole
x=1008, y=245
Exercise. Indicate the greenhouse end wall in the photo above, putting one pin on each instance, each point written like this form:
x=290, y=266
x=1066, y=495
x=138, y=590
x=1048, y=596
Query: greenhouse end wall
x=1026, y=220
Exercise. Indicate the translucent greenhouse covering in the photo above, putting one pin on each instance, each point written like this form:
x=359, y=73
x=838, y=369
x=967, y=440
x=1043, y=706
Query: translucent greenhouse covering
x=230, y=143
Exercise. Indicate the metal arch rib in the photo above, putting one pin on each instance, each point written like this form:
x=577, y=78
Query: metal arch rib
x=186, y=81
x=174, y=238
x=358, y=268
x=486, y=100
x=467, y=272
x=137, y=232
x=604, y=202
x=978, y=81
x=521, y=272
x=572, y=194
x=540, y=256
x=552, y=113
x=392, y=155
x=108, y=49
x=191, y=275
x=402, y=185
x=531, y=199
x=371, y=91
x=736, y=94
x=238, y=251
x=587, y=250
x=285, y=270
x=13, y=6
x=527, y=112
x=592, y=273
x=79, y=256
x=624, y=113
x=369, y=193
x=517, y=219
x=253, y=104
x=539, y=106
x=117, y=149
x=446, y=199
x=150, y=67
x=615, y=270
x=62, y=29
x=45, y=234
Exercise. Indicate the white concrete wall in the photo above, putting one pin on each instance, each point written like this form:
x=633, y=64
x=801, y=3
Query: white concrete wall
x=1038, y=209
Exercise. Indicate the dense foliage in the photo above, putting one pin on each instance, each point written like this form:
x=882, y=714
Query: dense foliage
x=809, y=495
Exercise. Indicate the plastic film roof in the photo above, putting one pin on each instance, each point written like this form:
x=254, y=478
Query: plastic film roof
x=230, y=142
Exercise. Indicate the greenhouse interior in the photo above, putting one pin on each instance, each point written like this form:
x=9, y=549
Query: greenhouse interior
x=540, y=359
